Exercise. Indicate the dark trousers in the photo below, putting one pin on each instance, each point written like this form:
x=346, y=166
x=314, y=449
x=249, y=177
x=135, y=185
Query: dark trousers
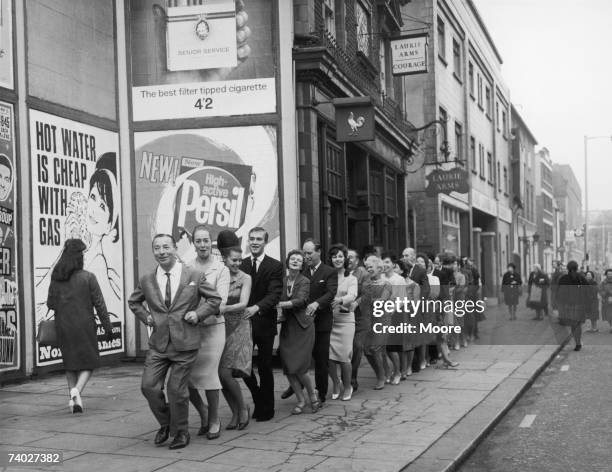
x=320, y=353
x=263, y=394
x=175, y=413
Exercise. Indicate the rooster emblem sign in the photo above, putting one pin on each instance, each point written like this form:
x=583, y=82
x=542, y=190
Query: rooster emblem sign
x=355, y=124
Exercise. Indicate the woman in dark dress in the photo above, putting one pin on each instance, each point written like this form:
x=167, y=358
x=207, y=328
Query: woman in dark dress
x=73, y=294
x=511, y=288
x=572, y=300
x=538, y=292
x=297, y=332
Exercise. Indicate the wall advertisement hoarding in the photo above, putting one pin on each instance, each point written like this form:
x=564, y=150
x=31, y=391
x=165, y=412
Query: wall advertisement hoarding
x=10, y=329
x=6, y=44
x=76, y=194
x=194, y=59
x=223, y=178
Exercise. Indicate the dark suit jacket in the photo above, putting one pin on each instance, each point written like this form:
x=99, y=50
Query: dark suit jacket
x=169, y=323
x=419, y=275
x=265, y=293
x=323, y=288
x=299, y=299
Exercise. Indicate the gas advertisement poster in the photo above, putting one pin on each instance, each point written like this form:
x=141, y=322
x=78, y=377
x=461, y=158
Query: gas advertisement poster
x=10, y=329
x=196, y=58
x=224, y=178
x=6, y=44
x=75, y=194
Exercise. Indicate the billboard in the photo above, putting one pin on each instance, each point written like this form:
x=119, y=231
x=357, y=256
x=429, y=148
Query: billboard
x=224, y=178
x=10, y=329
x=195, y=58
x=76, y=194
x=6, y=44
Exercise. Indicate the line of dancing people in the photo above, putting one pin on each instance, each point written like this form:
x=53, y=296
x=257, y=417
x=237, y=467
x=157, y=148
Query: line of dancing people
x=207, y=316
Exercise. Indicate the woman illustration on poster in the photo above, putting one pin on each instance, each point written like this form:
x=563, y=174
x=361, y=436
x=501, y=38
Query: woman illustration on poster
x=95, y=220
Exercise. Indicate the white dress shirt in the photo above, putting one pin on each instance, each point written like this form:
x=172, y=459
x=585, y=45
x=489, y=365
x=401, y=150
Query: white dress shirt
x=314, y=269
x=175, y=279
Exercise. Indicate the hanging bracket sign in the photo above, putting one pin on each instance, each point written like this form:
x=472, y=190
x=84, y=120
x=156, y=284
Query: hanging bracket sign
x=354, y=119
x=447, y=181
x=409, y=54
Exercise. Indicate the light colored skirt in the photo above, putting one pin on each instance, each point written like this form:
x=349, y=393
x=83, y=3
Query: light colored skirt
x=341, y=338
x=205, y=370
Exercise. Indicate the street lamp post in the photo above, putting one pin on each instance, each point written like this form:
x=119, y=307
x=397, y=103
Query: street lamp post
x=586, y=195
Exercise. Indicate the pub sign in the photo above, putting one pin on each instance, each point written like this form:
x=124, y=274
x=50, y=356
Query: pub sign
x=447, y=181
x=354, y=119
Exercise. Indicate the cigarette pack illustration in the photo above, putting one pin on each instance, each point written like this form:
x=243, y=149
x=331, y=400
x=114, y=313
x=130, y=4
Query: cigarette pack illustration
x=201, y=36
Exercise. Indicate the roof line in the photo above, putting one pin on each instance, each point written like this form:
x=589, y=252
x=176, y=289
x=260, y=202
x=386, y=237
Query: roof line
x=481, y=23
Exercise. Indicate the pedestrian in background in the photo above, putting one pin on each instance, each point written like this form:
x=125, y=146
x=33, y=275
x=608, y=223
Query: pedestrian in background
x=605, y=291
x=511, y=288
x=537, y=298
x=592, y=301
x=572, y=300
x=73, y=295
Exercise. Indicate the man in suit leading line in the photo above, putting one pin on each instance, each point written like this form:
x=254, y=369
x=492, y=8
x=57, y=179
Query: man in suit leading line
x=173, y=293
x=267, y=286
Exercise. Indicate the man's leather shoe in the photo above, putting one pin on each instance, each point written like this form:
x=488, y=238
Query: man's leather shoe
x=287, y=393
x=265, y=416
x=162, y=435
x=180, y=440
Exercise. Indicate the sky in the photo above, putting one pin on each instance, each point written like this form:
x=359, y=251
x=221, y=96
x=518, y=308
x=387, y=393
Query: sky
x=558, y=65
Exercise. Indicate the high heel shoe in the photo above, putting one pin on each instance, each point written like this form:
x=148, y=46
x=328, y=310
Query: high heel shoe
x=71, y=405
x=244, y=424
x=315, y=403
x=450, y=364
x=75, y=396
x=348, y=394
x=214, y=434
x=334, y=395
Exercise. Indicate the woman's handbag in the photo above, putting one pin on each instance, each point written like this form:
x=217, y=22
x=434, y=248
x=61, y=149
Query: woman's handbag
x=47, y=335
x=535, y=295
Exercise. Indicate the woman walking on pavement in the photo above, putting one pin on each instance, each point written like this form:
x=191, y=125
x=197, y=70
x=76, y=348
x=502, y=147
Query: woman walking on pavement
x=511, y=288
x=605, y=291
x=73, y=295
x=592, y=301
x=538, y=292
x=571, y=300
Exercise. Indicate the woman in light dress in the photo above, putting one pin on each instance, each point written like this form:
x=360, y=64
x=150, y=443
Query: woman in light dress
x=343, y=328
x=205, y=371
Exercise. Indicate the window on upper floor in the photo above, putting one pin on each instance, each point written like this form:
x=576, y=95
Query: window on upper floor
x=479, y=90
x=457, y=58
x=441, y=39
x=443, y=116
x=488, y=101
x=505, y=179
x=490, y=169
x=504, y=124
x=497, y=115
x=458, y=141
x=363, y=21
x=481, y=158
x=330, y=17
x=471, y=79
x=473, y=154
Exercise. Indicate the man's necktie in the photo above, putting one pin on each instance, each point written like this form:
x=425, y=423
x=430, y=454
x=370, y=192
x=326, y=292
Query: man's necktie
x=168, y=298
x=254, y=267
